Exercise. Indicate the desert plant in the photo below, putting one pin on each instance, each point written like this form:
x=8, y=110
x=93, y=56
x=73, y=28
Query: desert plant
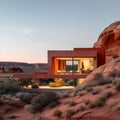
x=72, y=103
x=15, y=104
x=104, y=96
x=66, y=102
x=81, y=93
x=88, y=89
x=69, y=113
x=118, y=74
x=1, y=117
x=57, y=113
x=35, y=85
x=114, y=73
x=12, y=117
x=95, y=91
x=114, y=82
x=87, y=102
x=24, y=82
x=79, y=88
x=118, y=87
x=99, y=102
x=25, y=97
x=54, y=104
x=42, y=100
x=98, y=79
x=91, y=105
x=81, y=108
x=1, y=102
x=98, y=76
x=108, y=86
x=70, y=82
x=63, y=95
x=115, y=56
x=9, y=88
x=75, y=94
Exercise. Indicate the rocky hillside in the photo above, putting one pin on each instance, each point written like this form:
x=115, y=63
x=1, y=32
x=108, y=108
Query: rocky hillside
x=26, y=67
x=110, y=39
x=97, y=99
x=112, y=66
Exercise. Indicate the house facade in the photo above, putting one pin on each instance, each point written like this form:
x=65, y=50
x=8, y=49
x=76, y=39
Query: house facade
x=71, y=64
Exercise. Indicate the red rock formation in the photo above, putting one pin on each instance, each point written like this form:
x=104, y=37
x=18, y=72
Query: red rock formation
x=15, y=70
x=112, y=65
x=110, y=39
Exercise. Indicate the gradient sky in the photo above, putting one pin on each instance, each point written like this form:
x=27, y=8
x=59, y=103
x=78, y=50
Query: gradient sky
x=29, y=28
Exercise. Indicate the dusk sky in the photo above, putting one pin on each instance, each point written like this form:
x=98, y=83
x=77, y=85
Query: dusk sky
x=29, y=28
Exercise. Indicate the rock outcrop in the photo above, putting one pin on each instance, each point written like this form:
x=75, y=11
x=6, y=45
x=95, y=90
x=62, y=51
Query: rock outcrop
x=110, y=39
x=112, y=66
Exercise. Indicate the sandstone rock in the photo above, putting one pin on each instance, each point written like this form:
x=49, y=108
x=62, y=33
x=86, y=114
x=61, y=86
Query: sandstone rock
x=110, y=39
x=111, y=66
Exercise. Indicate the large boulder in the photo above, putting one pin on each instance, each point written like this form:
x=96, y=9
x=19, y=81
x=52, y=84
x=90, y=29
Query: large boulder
x=110, y=39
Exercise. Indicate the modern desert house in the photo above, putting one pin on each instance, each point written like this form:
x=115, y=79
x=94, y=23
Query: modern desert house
x=70, y=64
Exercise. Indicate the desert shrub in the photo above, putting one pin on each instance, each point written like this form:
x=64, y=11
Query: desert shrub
x=72, y=103
x=95, y=91
x=57, y=113
x=91, y=105
x=108, y=86
x=81, y=108
x=38, y=102
x=79, y=88
x=99, y=102
x=115, y=56
x=24, y=82
x=25, y=97
x=114, y=73
x=12, y=117
x=98, y=79
x=1, y=102
x=9, y=88
x=42, y=100
x=81, y=93
x=75, y=94
x=15, y=104
x=117, y=87
x=88, y=89
x=118, y=74
x=70, y=82
x=114, y=82
x=87, y=102
x=66, y=102
x=97, y=76
x=54, y=104
x=1, y=117
x=69, y=113
x=104, y=96
x=64, y=95
x=35, y=85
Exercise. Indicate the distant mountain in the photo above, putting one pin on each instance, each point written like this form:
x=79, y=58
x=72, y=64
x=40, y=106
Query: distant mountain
x=26, y=67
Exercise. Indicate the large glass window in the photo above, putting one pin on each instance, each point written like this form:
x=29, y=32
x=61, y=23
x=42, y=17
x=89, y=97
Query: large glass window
x=73, y=65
